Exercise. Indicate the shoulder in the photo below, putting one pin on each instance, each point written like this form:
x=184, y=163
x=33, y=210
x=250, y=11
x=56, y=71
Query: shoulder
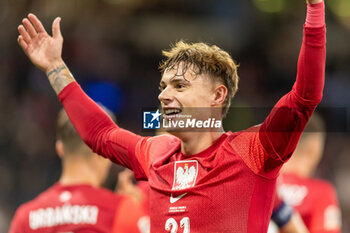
x=313, y=185
x=322, y=183
x=90, y=195
x=38, y=201
x=160, y=144
x=105, y=194
x=243, y=135
x=167, y=139
x=247, y=145
x=314, y=188
x=20, y=221
x=246, y=142
x=22, y=212
x=326, y=207
x=322, y=186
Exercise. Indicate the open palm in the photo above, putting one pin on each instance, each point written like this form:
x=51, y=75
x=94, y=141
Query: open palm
x=43, y=50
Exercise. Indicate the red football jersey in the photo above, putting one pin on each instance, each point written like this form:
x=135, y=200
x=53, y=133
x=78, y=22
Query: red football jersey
x=75, y=208
x=315, y=200
x=213, y=191
x=145, y=190
x=229, y=186
x=131, y=217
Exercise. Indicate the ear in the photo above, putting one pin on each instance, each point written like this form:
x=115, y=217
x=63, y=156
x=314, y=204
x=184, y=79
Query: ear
x=59, y=148
x=220, y=94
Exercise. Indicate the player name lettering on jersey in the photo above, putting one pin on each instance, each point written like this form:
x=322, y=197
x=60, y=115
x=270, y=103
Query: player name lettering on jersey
x=293, y=194
x=60, y=215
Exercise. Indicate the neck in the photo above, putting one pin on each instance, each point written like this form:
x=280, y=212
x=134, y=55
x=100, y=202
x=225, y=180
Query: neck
x=77, y=171
x=195, y=142
x=300, y=167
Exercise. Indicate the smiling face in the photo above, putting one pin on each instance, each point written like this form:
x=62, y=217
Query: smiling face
x=203, y=62
x=186, y=93
x=181, y=89
x=197, y=85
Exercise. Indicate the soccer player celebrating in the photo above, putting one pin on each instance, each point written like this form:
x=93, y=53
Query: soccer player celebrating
x=314, y=199
x=76, y=203
x=208, y=181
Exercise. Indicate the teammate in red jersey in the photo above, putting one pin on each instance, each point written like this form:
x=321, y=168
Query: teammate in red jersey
x=138, y=203
x=76, y=203
x=208, y=181
x=314, y=199
x=285, y=219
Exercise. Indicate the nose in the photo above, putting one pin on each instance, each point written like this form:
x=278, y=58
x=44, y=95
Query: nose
x=165, y=97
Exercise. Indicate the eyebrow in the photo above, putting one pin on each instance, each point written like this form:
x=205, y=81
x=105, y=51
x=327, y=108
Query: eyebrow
x=174, y=80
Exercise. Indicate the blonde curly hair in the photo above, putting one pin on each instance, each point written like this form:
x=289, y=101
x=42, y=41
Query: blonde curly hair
x=206, y=59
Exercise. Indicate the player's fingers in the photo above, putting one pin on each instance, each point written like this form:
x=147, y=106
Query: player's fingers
x=30, y=29
x=24, y=33
x=37, y=23
x=22, y=43
x=56, y=29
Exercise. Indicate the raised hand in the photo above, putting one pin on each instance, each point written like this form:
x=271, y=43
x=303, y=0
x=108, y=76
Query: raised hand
x=44, y=51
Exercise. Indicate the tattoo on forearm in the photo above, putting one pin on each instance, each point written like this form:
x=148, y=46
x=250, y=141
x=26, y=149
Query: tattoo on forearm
x=59, y=78
x=56, y=71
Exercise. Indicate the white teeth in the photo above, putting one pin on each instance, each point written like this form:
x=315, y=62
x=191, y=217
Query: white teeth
x=172, y=111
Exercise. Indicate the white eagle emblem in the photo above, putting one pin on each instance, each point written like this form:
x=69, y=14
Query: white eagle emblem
x=185, y=174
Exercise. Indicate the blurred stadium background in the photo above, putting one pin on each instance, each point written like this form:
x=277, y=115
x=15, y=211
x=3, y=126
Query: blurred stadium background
x=114, y=47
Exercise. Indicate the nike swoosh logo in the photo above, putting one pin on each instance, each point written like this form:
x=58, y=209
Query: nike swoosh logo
x=175, y=199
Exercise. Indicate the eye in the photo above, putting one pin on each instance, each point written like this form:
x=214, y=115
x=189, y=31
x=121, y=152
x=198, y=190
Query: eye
x=161, y=88
x=180, y=86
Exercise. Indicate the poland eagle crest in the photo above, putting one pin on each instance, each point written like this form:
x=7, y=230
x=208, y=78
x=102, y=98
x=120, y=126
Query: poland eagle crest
x=185, y=174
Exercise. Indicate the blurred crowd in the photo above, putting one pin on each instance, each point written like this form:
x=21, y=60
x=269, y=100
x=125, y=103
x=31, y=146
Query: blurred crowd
x=114, y=47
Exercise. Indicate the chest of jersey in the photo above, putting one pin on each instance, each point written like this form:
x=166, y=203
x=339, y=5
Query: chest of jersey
x=201, y=194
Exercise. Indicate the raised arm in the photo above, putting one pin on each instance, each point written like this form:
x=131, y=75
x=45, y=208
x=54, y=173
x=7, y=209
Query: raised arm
x=280, y=132
x=45, y=51
x=93, y=125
